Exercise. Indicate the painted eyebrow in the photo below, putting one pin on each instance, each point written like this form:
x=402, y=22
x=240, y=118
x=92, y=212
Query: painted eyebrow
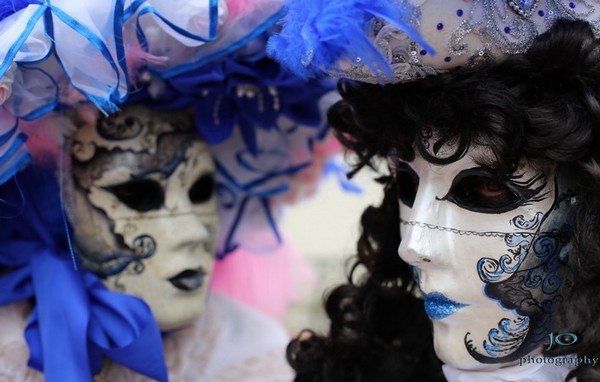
x=167, y=170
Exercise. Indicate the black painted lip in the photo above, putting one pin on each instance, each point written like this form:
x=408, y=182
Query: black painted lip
x=189, y=279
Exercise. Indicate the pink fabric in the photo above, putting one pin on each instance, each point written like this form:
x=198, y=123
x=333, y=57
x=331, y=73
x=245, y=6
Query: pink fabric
x=43, y=137
x=270, y=280
x=46, y=133
x=267, y=281
x=137, y=57
x=237, y=7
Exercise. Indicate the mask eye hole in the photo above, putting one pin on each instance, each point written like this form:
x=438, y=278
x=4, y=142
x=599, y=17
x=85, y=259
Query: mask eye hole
x=407, y=183
x=483, y=194
x=202, y=189
x=139, y=194
x=130, y=121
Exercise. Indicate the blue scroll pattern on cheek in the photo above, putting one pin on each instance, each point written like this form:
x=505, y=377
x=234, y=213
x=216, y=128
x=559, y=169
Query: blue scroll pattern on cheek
x=528, y=281
x=491, y=270
x=144, y=247
x=504, y=340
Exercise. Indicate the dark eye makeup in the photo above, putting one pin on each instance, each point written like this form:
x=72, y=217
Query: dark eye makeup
x=480, y=190
x=139, y=194
x=477, y=189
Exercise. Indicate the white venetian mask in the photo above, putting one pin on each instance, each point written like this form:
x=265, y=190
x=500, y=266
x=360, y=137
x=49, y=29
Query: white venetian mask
x=144, y=209
x=489, y=255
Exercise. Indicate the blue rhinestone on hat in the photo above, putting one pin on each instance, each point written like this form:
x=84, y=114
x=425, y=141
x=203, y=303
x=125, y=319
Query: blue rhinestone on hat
x=524, y=8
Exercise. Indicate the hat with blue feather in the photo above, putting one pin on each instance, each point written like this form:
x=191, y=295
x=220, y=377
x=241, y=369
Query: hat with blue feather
x=391, y=41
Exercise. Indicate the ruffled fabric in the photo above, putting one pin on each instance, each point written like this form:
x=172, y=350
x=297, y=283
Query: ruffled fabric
x=47, y=42
x=247, y=183
x=63, y=52
x=193, y=34
x=76, y=321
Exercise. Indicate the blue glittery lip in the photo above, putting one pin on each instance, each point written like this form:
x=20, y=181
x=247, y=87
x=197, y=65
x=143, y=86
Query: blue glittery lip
x=438, y=306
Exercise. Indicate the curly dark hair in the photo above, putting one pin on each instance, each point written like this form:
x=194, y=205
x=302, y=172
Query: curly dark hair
x=542, y=106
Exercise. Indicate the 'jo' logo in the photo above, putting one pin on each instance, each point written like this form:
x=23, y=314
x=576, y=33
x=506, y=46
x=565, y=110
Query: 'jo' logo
x=562, y=339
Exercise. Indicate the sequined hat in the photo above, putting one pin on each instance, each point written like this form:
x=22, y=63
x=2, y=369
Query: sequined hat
x=390, y=41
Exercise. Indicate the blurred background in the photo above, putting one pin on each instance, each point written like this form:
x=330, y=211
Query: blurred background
x=324, y=229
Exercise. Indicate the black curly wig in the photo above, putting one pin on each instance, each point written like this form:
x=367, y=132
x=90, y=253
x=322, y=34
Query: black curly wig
x=542, y=106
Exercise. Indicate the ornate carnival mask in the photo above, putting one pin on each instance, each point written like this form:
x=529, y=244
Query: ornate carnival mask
x=489, y=254
x=144, y=211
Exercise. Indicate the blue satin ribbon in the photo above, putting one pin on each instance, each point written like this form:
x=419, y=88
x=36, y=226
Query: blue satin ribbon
x=259, y=30
x=112, y=98
x=76, y=321
x=213, y=17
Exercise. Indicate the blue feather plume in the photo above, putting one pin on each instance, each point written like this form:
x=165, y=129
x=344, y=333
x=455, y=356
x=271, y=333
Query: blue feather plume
x=316, y=34
x=9, y=7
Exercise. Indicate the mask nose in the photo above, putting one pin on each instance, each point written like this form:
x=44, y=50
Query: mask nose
x=416, y=246
x=191, y=233
x=421, y=243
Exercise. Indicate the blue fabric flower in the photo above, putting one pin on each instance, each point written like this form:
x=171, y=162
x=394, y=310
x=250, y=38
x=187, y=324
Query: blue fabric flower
x=250, y=92
x=255, y=160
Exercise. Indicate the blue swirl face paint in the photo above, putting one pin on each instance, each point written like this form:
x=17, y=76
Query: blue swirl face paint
x=438, y=306
x=497, y=244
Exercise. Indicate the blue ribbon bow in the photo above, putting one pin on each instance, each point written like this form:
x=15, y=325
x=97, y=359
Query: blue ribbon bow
x=75, y=321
